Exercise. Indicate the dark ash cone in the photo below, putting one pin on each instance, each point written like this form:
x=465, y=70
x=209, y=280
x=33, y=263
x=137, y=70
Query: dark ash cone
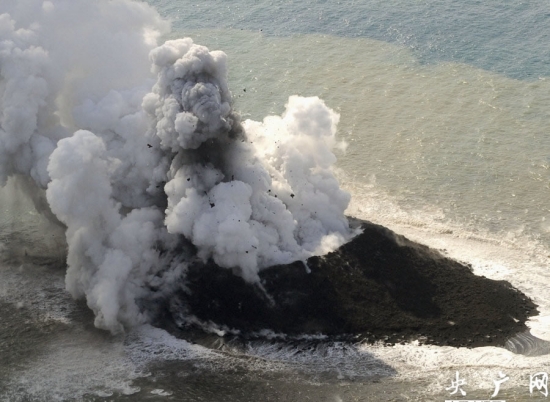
x=379, y=286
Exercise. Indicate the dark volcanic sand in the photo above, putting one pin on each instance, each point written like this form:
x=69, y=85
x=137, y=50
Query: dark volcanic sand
x=379, y=286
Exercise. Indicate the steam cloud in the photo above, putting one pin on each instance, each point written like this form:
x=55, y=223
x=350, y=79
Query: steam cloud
x=150, y=168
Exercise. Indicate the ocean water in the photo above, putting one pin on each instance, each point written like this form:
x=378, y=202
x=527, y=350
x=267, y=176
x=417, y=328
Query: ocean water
x=445, y=108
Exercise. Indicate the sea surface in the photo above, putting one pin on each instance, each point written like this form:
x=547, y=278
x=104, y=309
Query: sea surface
x=445, y=107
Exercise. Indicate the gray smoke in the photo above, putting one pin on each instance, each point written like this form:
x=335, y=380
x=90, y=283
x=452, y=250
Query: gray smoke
x=140, y=163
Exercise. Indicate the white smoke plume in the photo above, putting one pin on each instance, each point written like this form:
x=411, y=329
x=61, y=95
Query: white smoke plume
x=139, y=163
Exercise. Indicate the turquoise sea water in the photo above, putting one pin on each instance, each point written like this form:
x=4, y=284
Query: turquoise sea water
x=509, y=38
x=445, y=107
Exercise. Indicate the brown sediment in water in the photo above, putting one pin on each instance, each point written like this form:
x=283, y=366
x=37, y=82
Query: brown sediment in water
x=378, y=287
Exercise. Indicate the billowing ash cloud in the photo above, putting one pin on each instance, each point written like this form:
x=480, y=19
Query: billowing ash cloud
x=151, y=169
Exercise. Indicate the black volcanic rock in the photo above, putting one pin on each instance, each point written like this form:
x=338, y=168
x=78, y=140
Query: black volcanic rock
x=379, y=286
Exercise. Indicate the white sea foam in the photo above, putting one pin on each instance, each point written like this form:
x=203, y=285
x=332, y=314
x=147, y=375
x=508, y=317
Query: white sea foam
x=78, y=363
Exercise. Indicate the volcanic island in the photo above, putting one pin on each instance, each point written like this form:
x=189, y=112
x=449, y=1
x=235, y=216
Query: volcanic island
x=378, y=287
